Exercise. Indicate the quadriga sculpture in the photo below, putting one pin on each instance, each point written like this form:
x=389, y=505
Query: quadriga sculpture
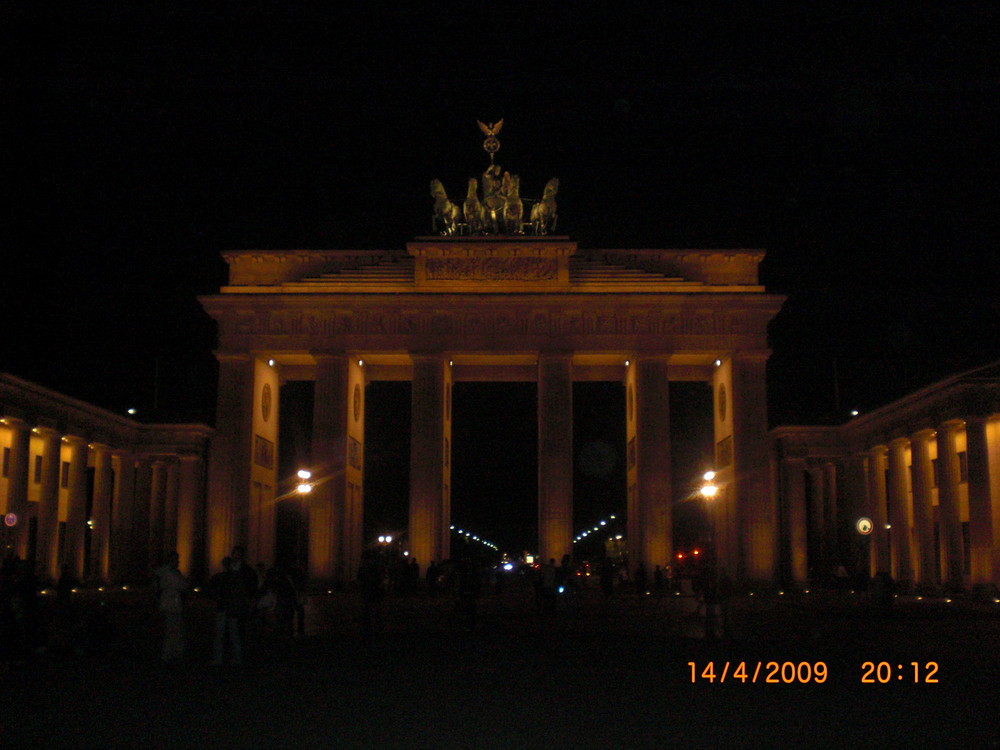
x=474, y=209
x=513, y=208
x=493, y=199
x=543, y=214
x=446, y=213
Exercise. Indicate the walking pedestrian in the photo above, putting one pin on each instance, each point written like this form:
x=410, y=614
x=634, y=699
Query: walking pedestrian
x=171, y=586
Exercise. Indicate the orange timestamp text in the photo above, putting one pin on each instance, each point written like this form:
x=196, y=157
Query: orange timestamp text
x=764, y=672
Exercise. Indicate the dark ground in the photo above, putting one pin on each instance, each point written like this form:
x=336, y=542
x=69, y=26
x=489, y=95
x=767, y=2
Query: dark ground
x=599, y=675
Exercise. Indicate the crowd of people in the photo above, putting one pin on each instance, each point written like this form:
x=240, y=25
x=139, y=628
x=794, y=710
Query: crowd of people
x=259, y=603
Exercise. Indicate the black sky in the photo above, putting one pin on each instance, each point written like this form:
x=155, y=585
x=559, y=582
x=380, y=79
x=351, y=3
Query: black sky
x=856, y=145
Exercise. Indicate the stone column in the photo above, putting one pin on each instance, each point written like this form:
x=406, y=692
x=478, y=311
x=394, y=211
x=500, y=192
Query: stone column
x=948, y=510
x=353, y=527
x=170, y=506
x=881, y=558
x=104, y=478
x=17, y=492
x=444, y=522
x=76, y=506
x=140, y=558
x=427, y=456
x=899, y=513
x=555, y=455
x=755, y=498
x=191, y=517
x=48, y=504
x=122, y=511
x=653, y=482
x=817, y=554
x=329, y=458
x=229, y=464
x=633, y=523
x=832, y=530
x=927, y=565
x=983, y=483
x=157, y=512
x=793, y=471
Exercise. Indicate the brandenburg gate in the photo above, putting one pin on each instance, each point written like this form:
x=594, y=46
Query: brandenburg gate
x=493, y=307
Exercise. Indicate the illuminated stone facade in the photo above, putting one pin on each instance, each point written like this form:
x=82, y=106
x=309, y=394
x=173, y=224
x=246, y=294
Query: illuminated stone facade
x=103, y=494
x=490, y=309
x=925, y=470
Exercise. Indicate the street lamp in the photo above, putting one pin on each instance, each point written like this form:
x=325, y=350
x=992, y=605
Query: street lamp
x=304, y=487
x=709, y=489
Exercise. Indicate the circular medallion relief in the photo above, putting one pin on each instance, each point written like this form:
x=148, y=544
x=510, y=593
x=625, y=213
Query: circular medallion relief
x=265, y=401
x=722, y=402
x=630, y=399
x=357, y=402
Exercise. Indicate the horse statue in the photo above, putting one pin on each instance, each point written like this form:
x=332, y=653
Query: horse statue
x=543, y=214
x=474, y=215
x=514, y=209
x=446, y=213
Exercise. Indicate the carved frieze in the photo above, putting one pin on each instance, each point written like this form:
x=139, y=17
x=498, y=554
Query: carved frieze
x=495, y=321
x=492, y=269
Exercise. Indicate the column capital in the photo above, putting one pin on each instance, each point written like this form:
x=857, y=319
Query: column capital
x=15, y=423
x=74, y=440
x=45, y=432
x=952, y=425
x=921, y=435
x=898, y=443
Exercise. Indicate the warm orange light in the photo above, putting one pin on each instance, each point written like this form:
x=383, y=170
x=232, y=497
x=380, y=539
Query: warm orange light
x=680, y=555
x=697, y=552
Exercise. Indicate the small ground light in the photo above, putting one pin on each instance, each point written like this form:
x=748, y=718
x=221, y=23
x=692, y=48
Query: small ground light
x=132, y=411
x=854, y=412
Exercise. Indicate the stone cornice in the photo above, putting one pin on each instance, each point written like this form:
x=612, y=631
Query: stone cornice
x=453, y=322
x=46, y=409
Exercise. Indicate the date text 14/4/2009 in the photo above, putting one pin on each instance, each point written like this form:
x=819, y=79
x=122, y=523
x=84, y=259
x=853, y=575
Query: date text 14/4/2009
x=790, y=672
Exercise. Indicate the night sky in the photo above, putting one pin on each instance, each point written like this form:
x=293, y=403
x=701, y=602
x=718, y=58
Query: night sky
x=858, y=147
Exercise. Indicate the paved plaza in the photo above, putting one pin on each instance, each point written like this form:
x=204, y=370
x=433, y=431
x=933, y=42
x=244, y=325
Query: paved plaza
x=594, y=674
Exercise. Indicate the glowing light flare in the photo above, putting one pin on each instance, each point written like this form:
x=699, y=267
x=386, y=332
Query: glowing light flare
x=304, y=489
x=304, y=474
